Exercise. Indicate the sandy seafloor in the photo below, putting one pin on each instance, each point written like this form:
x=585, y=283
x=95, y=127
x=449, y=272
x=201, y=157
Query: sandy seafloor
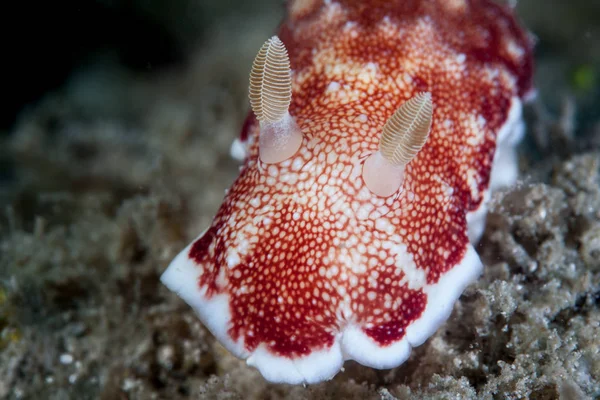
x=114, y=172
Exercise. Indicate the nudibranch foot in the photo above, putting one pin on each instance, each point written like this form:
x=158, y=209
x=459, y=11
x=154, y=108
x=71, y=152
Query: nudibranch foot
x=320, y=365
x=354, y=340
x=358, y=345
x=505, y=169
x=181, y=277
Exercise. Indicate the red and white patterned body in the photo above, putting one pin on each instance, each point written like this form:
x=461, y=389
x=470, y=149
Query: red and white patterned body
x=303, y=267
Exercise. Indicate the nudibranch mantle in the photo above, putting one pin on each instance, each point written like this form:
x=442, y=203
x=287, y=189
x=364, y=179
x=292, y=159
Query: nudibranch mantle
x=304, y=267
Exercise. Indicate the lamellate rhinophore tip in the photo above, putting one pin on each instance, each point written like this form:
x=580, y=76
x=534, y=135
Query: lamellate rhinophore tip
x=271, y=82
x=406, y=131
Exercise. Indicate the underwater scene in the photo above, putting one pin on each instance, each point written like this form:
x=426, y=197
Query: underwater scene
x=301, y=199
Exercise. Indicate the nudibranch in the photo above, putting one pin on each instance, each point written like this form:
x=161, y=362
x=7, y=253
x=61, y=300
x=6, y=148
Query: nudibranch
x=378, y=130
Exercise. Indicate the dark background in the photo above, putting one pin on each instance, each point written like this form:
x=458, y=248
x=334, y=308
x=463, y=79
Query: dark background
x=44, y=42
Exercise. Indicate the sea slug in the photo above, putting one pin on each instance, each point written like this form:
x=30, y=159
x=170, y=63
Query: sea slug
x=379, y=128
